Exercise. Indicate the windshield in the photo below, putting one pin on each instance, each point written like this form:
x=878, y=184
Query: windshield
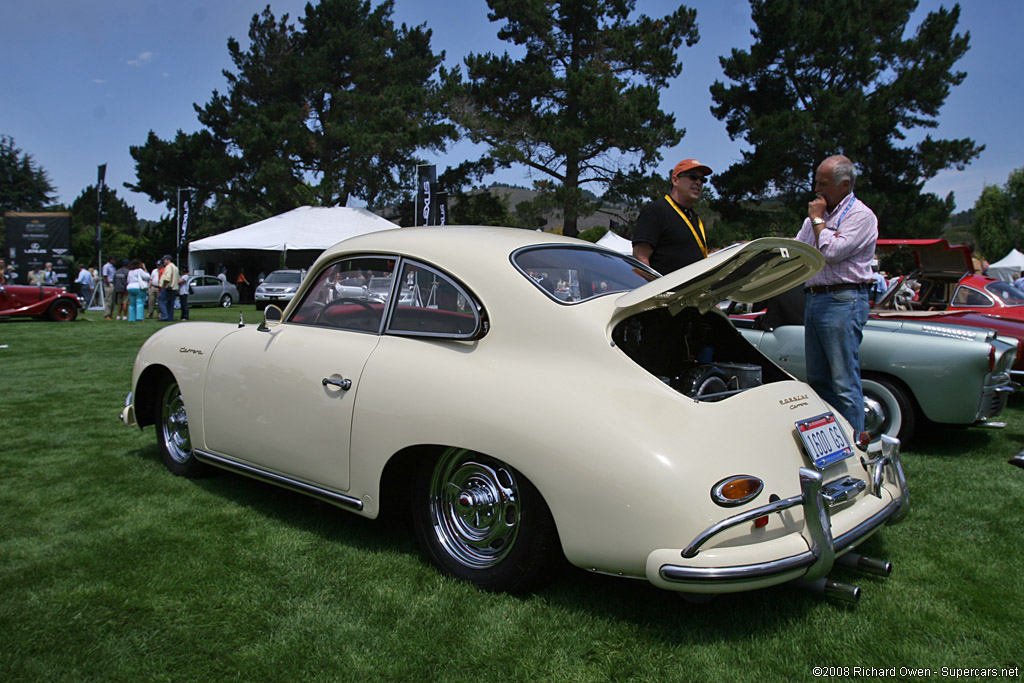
x=574, y=274
x=281, y=276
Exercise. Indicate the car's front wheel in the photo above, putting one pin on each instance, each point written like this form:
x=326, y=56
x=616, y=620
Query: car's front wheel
x=887, y=410
x=172, y=434
x=62, y=311
x=225, y=301
x=481, y=521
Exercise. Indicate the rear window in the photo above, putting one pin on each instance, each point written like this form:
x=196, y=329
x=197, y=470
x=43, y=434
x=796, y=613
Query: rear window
x=1007, y=293
x=574, y=274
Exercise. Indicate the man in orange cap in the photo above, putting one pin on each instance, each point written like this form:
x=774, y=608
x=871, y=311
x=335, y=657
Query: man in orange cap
x=668, y=233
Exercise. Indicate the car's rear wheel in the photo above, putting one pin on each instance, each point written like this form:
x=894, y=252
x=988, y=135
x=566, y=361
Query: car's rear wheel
x=225, y=301
x=172, y=435
x=887, y=410
x=481, y=521
x=62, y=311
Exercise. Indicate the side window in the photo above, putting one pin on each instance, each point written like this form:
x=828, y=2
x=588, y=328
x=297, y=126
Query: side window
x=342, y=295
x=431, y=304
x=965, y=296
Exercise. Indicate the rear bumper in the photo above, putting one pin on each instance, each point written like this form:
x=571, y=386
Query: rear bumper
x=818, y=547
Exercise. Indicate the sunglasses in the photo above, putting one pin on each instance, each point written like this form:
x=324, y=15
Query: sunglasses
x=694, y=176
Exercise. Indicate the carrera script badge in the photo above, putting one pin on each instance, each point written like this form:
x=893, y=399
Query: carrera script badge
x=794, y=402
x=185, y=349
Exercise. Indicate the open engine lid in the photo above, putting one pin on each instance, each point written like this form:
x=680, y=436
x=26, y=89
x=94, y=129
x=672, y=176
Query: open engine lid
x=933, y=256
x=748, y=272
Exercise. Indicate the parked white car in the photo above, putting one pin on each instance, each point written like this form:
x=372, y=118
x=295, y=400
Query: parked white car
x=278, y=288
x=522, y=426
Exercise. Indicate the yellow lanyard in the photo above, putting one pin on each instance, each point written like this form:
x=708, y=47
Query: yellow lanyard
x=701, y=239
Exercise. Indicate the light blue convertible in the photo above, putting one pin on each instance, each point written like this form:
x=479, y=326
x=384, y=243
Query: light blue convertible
x=947, y=374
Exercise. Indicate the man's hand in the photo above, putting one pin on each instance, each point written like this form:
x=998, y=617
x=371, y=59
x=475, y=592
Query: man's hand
x=816, y=208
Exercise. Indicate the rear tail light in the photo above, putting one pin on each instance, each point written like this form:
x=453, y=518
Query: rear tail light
x=736, y=490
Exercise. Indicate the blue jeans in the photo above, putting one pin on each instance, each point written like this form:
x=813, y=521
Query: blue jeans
x=833, y=328
x=166, y=303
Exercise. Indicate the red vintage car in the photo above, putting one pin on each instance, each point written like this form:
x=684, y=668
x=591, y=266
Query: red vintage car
x=55, y=303
x=952, y=292
x=949, y=282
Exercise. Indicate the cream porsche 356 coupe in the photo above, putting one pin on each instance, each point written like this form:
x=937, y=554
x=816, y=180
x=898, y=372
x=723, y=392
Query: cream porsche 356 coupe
x=533, y=396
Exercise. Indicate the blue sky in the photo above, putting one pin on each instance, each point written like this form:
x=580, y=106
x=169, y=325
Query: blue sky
x=81, y=82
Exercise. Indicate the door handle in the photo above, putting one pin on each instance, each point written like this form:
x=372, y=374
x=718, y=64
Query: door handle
x=343, y=384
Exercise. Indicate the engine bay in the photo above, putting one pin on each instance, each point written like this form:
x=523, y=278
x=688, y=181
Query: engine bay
x=700, y=355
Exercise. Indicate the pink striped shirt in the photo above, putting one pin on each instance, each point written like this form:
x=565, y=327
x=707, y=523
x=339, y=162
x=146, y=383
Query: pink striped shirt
x=847, y=242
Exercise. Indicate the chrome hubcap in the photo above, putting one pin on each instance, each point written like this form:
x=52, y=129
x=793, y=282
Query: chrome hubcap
x=174, y=423
x=474, y=508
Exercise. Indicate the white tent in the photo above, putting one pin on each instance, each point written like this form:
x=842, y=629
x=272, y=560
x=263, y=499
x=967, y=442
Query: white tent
x=1007, y=268
x=297, y=236
x=614, y=242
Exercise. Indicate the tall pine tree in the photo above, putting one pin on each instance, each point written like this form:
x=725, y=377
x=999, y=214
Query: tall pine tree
x=582, y=106
x=842, y=76
x=336, y=109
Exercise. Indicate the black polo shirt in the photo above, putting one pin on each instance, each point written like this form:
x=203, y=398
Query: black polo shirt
x=661, y=226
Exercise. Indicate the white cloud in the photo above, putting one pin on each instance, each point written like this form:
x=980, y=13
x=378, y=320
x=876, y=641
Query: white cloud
x=143, y=59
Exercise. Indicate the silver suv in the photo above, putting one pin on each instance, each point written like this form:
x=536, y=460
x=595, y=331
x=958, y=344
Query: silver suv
x=278, y=288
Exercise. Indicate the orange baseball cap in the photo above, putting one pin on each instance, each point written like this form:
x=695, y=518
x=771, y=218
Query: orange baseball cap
x=690, y=165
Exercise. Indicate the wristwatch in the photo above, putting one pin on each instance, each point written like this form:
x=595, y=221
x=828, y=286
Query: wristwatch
x=817, y=221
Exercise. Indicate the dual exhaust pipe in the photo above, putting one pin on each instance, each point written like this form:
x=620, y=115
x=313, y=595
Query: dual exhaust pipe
x=844, y=591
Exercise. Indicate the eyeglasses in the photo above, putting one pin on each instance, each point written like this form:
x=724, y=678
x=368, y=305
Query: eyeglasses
x=694, y=176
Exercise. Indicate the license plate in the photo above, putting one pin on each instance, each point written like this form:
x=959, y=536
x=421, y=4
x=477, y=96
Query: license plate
x=824, y=440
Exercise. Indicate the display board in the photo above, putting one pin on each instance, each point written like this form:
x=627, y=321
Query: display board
x=33, y=239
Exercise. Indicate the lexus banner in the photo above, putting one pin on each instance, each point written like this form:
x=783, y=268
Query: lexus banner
x=33, y=239
x=442, y=208
x=426, y=189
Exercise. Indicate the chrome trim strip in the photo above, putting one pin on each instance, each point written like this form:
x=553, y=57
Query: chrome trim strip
x=295, y=485
x=748, y=516
x=746, y=572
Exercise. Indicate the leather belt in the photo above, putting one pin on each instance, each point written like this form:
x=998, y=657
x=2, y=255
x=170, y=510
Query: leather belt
x=824, y=289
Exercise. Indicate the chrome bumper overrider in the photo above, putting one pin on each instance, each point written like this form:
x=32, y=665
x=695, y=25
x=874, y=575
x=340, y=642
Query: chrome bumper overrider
x=127, y=415
x=823, y=548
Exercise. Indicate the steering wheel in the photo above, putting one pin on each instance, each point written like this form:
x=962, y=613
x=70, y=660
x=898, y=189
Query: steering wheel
x=342, y=300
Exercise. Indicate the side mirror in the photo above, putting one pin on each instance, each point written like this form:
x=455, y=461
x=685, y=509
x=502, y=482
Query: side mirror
x=272, y=316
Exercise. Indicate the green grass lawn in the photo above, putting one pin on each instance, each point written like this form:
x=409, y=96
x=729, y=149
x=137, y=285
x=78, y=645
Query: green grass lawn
x=111, y=568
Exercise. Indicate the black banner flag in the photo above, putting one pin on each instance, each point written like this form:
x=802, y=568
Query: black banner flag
x=101, y=175
x=426, y=207
x=183, y=215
